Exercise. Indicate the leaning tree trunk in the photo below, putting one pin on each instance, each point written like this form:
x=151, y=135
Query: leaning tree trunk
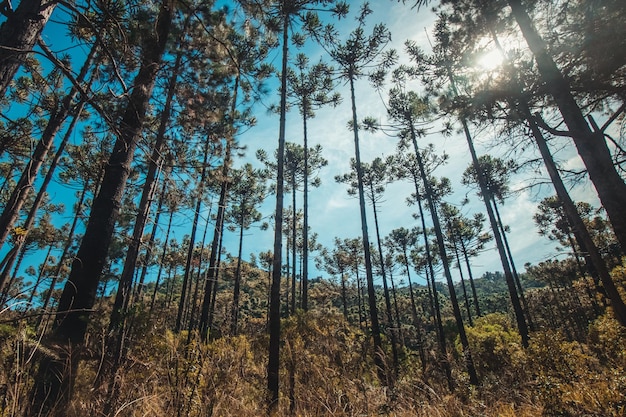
x=236, y=291
x=482, y=183
x=393, y=332
x=470, y=276
x=117, y=322
x=416, y=321
x=39, y=198
x=25, y=184
x=579, y=227
x=192, y=239
x=507, y=248
x=441, y=338
x=461, y=276
x=43, y=321
x=122, y=297
x=591, y=145
x=471, y=370
x=18, y=35
x=56, y=375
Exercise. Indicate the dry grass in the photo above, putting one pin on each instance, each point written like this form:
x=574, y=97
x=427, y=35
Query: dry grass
x=334, y=377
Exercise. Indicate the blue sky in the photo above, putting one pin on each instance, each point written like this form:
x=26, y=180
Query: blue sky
x=332, y=212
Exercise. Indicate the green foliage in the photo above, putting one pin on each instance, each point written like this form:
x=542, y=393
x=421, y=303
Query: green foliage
x=570, y=381
x=494, y=343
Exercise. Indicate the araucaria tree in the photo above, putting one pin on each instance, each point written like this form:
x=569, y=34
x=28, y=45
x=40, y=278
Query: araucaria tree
x=405, y=109
x=310, y=87
x=283, y=15
x=247, y=193
x=357, y=56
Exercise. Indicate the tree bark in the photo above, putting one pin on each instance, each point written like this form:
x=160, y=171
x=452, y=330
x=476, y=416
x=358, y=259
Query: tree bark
x=371, y=292
x=273, y=364
x=18, y=35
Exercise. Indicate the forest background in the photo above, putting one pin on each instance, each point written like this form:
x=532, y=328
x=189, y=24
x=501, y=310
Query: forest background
x=123, y=118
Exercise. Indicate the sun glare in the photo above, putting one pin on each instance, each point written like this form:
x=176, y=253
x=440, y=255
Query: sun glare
x=490, y=60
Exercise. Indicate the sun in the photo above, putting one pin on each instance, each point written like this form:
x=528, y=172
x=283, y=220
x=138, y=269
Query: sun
x=490, y=60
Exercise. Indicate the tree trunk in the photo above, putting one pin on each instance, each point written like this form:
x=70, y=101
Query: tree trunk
x=471, y=370
x=56, y=376
x=66, y=248
x=163, y=255
x=619, y=308
x=371, y=292
x=392, y=331
x=304, y=279
x=431, y=285
x=18, y=35
x=591, y=145
x=30, y=218
x=471, y=277
x=273, y=364
x=416, y=321
x=344, y=297
x=192, y=239
x=515, y=302
x=24, y=185
x=294, y=245
x=507, y=248
x=465, y=297
x=124, y=290
x=150, y=244
x=211, y=279
x=235, y=308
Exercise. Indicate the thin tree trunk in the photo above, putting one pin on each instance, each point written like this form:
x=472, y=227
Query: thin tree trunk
x=471, y=277
x=24, y=185
x=304, y=279
x=42, y=268
x=211, y=279
x=393, y=331
x=273, y=364
x=294, y=246
x=416, y=321
x=465, y=297
x=395, y=305
x=344, y=298
x=235, y=308
x=163, y=255
x=431, y=285
x=518, y=283
x=192, y=239
x=199, y=282
x=371, y=292
x=30, y=218
x=150, y=244
x=510, y=281
x=471, y=370
x=66, y=248
x=20, y=257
